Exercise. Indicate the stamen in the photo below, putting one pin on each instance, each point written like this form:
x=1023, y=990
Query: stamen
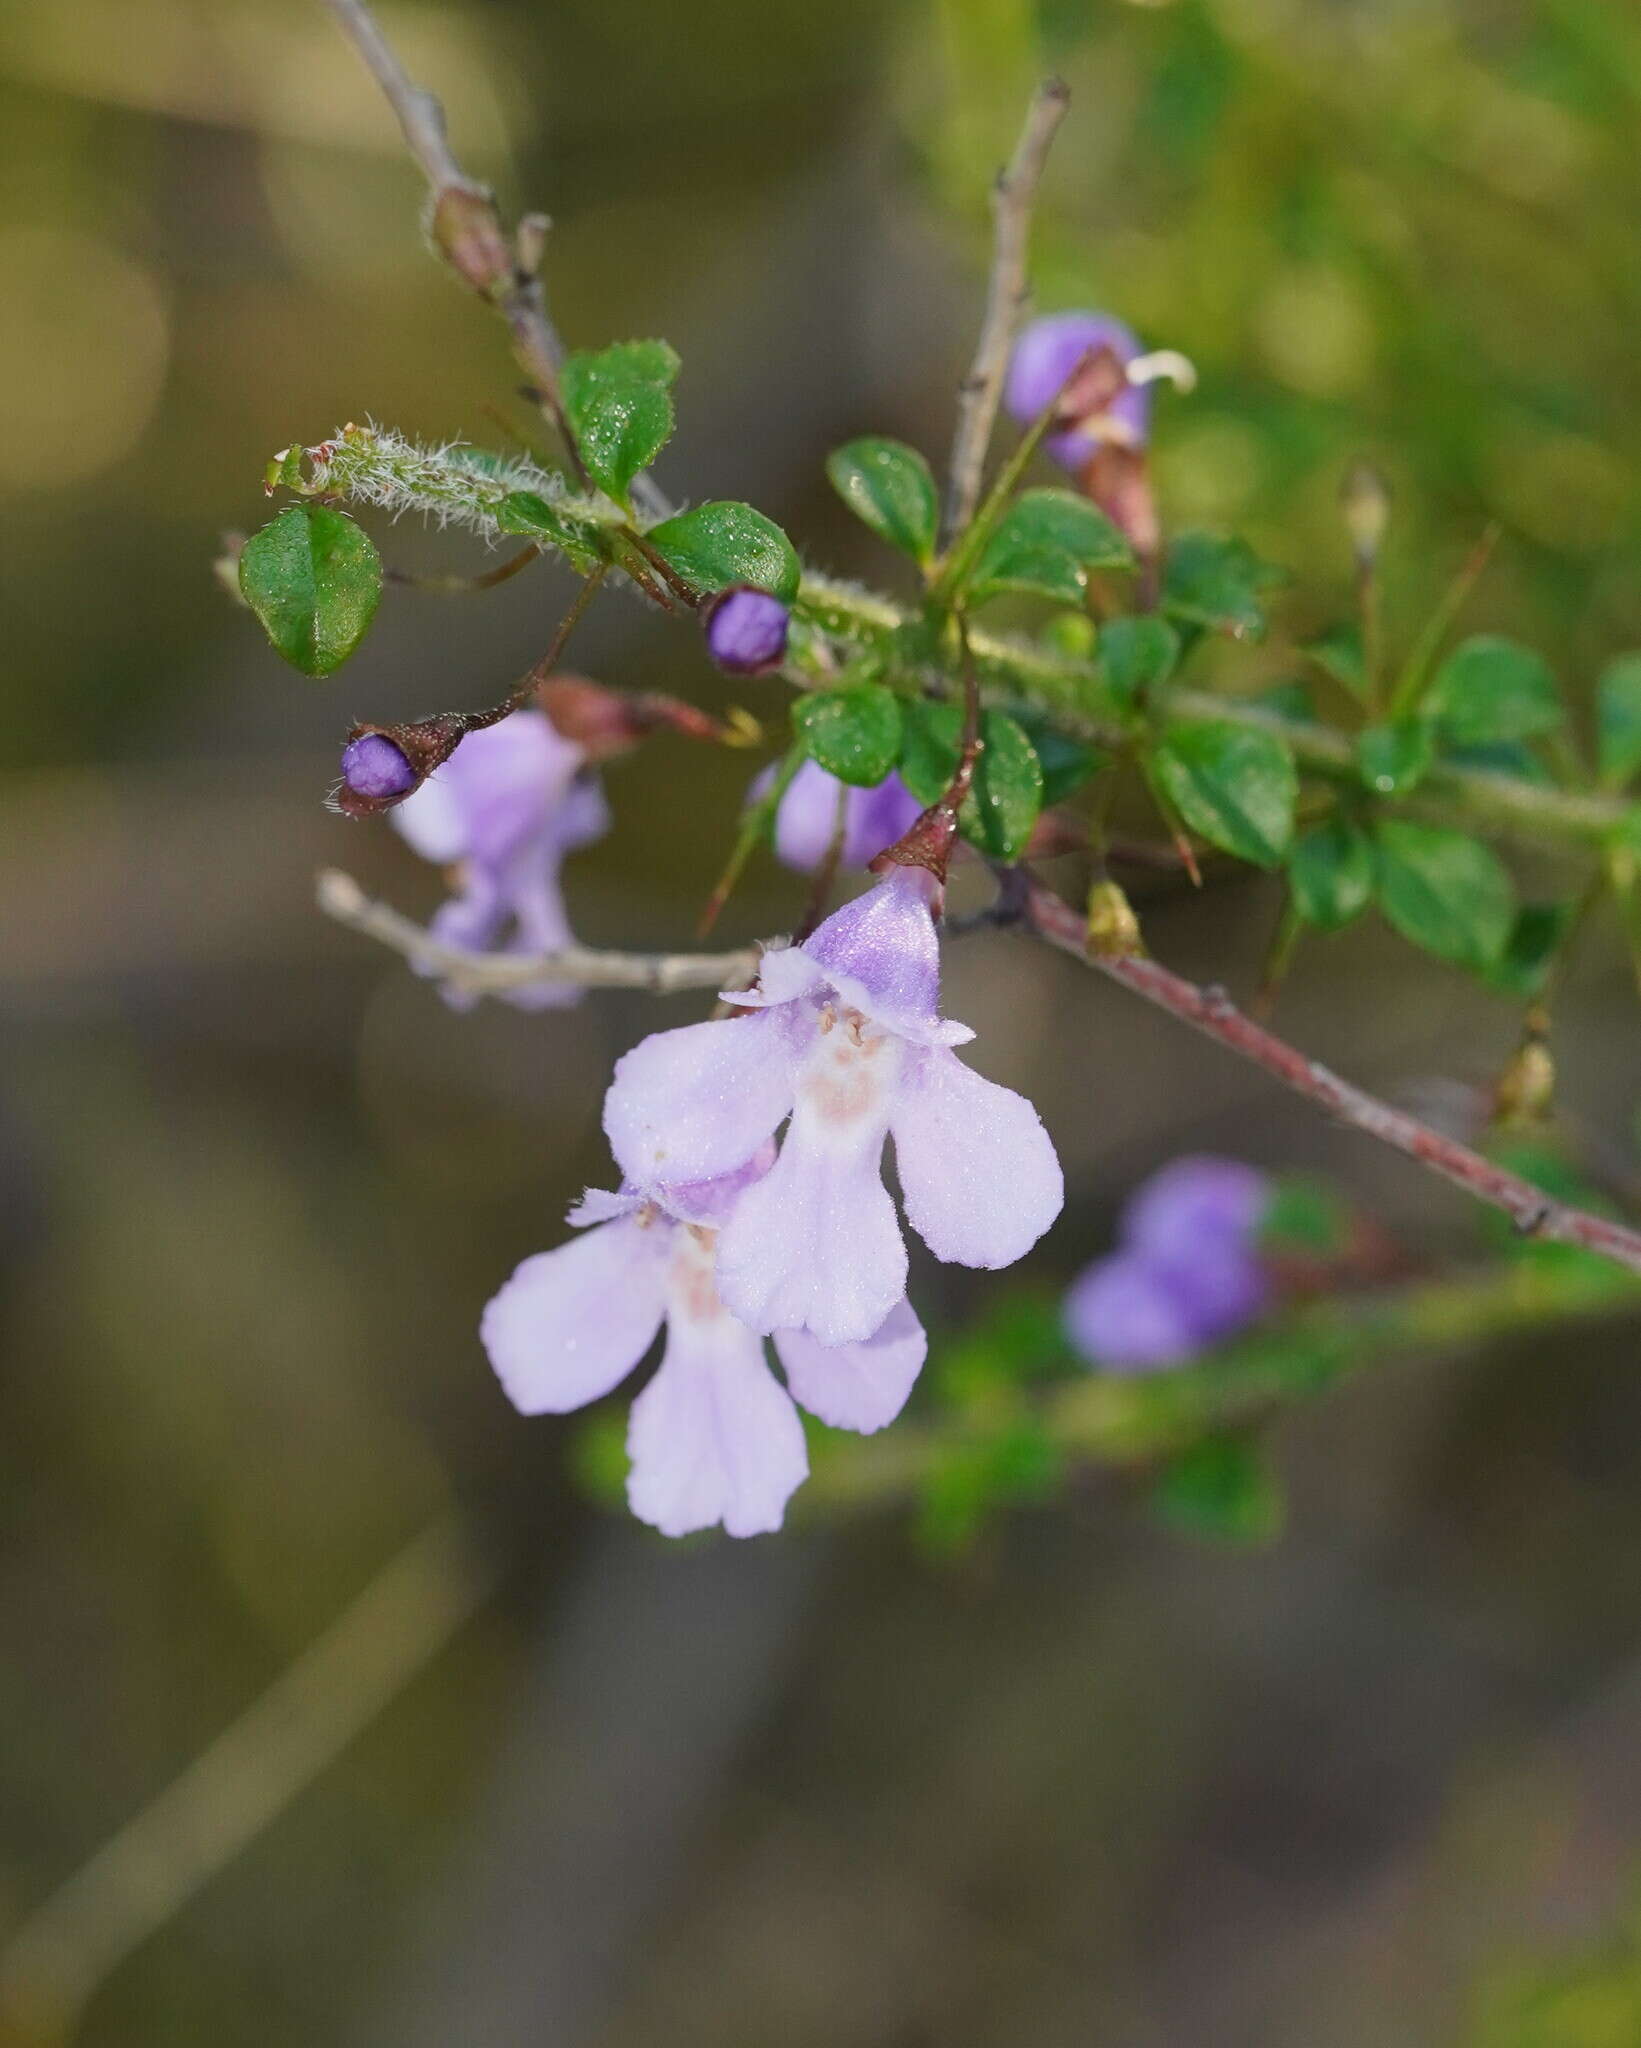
x=1164, y=365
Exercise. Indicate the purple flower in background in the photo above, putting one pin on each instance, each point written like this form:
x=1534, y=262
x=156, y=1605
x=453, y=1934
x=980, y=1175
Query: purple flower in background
x=508, y=805
x=746, y=630
x=1186, y=1274
x=714, y=1437
x=808, y=816
x=1106, y=411
x=844, y=1039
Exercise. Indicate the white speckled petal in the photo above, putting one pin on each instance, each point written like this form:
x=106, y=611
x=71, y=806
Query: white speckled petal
x=978, y=1171
x=714, y=1437
x=856, y=1386
x=572, y=1323
x=694, y=1103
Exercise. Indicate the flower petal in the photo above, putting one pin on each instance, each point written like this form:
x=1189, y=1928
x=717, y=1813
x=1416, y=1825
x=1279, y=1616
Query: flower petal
x=1125, y=1313
x=572, y=1322
x=430, y=821
x=697, y=1102
x=977, y=1169
x=856, y=1386
x=815, y=1244
x=714, y=1437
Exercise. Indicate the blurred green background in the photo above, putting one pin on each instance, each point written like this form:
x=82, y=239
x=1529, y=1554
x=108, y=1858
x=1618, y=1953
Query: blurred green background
x=1377, y=1785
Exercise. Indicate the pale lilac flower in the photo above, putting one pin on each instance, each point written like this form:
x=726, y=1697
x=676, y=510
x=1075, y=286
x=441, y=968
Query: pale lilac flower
x=1047, y=353
x=714, y=1437
x=807, y=817
x=509, y=804
x=1186, y=1275
x=746, y=630
x=844, y=1039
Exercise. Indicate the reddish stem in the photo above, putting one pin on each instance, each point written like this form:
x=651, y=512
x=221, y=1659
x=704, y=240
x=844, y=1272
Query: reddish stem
x=1211, y=1011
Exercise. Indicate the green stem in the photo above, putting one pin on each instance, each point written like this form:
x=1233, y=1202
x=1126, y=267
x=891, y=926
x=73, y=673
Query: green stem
x=1108, y=1420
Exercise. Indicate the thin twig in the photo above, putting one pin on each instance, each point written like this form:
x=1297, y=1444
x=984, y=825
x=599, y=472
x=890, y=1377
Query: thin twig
x=1211, y=1011
x=978, y=397
x=253, y=1770
x=490, y=974
x=466, y=229
x=465, y=586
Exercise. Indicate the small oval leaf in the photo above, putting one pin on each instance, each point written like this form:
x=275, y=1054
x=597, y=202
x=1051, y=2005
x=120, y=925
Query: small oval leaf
x=1137, y=654
x=1045, y=546
x=890, y=487
x=854, y=733
x=1444, y=892
x=1493, y=689
x=1236, y=786
x=1392, y=759
x=727, y=542
x=1003, y=806
x=314, y=579
x=618, y=404
x=1330, y=874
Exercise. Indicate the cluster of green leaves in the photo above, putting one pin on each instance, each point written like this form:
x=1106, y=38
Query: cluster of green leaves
x=314, y=578
x=1490, y=704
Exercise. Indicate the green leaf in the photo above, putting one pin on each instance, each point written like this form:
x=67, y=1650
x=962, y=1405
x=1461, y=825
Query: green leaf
x=1222, y=1487
x=1618, y=719
x=1137, y=654
x=1045, y=546
x=1235, y=786
x=1330, y=873
x=314, y=579
x=1444, y=892
x=1522, y=968
x=890, y=487
x=1493, y=689
x=1307, y=1218
x=1066, y=763
x=1008, y=786
x=618, y=403
x=854, y=733
x=1338, y=653
x=1502, y=757
x=1392, y=759
x=1291, y=701
x=1003, y=806
x=727, y=542
x=1220, y=584
x=530, y=514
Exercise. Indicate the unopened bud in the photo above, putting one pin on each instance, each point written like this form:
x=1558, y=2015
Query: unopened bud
x=1526, y=1088
x=373, y=767
x=746, y=630
x=1364, y=497
x=468, y=235
x=1113, y=929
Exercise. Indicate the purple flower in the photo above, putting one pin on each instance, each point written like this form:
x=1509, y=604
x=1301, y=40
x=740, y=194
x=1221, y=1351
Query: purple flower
x=714, y=1437
x=1046, y=354
x=508, y=805
x=844, y=1039
x=808, y=816
x=1187, y=1274
x=373, y=766
x=746, y=630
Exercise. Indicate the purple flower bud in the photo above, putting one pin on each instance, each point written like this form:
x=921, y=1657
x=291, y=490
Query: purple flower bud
x=746, y=630
x=1047, y=353
x=372, y=766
